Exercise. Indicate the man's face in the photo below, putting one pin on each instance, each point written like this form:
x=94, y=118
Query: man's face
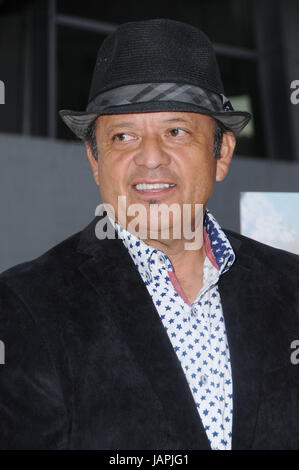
x=167, y=148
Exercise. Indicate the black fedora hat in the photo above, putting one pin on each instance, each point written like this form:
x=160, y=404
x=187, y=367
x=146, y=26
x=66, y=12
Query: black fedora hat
x=156, y=65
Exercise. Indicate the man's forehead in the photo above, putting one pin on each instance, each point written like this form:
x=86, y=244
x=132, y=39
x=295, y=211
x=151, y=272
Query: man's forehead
x=133, y=119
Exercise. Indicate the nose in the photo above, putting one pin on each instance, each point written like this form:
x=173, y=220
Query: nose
x=151, y=153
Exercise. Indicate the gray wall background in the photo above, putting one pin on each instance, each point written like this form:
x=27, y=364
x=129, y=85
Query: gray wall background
x=47, y=193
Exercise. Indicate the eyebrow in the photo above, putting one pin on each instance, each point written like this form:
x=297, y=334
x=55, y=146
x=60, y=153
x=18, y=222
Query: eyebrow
x=120, y=124
x=132, y=124
x=177, y=120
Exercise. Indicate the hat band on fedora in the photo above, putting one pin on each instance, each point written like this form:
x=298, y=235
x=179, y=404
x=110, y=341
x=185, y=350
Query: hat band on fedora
x=140, y=93
x=157, y=96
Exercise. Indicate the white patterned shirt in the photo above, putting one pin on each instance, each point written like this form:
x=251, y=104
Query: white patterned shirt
x=197, y=330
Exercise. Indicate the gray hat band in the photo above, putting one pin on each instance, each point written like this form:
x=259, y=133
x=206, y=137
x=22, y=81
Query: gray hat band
x=140, y=93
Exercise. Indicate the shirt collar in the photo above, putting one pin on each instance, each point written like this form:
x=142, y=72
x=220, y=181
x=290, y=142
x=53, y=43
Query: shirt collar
x=218, y=242
x=217, y=246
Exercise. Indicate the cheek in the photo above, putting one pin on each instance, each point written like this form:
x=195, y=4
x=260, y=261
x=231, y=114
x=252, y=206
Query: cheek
x=198, y=174
x=112, y=175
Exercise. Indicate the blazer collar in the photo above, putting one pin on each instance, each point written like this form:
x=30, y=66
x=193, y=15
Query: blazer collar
x=110, y=270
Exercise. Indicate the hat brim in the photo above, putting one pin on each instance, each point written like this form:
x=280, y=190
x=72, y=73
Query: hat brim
x=79, y=121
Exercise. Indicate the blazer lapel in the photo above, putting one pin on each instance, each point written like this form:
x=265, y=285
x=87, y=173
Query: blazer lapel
x=112, y=273
x=242, y=289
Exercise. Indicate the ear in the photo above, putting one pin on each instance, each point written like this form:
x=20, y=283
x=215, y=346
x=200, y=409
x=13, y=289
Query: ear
x=93, y=163
x=226, y=153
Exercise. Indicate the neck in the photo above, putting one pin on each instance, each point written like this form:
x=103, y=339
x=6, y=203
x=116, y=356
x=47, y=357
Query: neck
x=185, y=262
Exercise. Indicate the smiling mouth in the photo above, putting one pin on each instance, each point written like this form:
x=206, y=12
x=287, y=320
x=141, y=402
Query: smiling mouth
x=153, y=187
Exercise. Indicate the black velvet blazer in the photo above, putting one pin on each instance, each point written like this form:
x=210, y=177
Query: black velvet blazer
x=89, y=365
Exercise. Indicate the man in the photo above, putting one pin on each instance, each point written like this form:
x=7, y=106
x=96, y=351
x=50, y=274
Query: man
x=131, y=342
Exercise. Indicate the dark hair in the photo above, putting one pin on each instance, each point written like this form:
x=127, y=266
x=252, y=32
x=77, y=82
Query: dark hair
x=218, y=134
x=219, y=130
x=91, y=139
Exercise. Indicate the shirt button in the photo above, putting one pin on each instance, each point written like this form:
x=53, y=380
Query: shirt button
x=148, y=276
x=194, y=310
x=203, y=379
x=161, y=259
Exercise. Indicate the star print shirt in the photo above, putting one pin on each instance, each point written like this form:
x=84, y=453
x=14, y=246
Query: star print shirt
x=197, y=330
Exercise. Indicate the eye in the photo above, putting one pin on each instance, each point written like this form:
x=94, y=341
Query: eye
x=122, y=137
x=177, y=132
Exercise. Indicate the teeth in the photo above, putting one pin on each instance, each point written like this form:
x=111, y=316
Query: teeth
x=143, y=186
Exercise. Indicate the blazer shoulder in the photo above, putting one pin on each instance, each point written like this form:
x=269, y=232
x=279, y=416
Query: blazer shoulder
x=276, y=259
x=44, y=268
